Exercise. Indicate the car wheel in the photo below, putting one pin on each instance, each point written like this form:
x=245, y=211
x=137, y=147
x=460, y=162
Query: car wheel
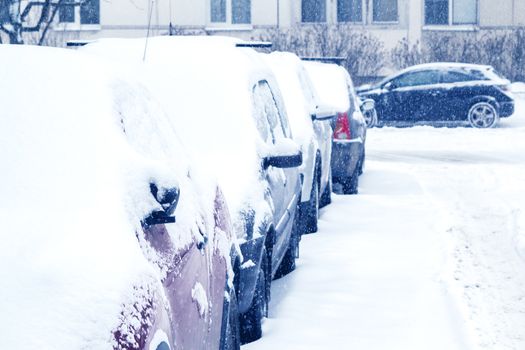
x=350, y=184
x=231, y=337
x=251, y=321
x=312, y=209
x=370, y=118
x=326, y=197
x=483, y=115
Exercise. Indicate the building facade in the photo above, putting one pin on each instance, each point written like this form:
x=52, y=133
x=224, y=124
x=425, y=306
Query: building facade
x=390, y=20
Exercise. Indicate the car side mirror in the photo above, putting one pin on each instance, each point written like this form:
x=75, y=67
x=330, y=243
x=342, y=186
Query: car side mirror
x=285, y=161
x=168, y=200
x=323, y=116
x=389, y=86
x=367, y=105
x=324, y=113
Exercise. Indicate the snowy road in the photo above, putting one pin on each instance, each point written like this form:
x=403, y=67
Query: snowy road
x=429, y=255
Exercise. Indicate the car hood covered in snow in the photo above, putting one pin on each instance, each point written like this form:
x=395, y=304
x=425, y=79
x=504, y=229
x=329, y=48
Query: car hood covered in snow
x=74, y=186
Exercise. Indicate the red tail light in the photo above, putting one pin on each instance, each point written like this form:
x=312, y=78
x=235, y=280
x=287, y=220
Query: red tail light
x=342, y=127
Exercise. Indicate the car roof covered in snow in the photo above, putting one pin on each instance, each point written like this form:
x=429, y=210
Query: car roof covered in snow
x=77, y=161
x=332, y=84
x=446, y=65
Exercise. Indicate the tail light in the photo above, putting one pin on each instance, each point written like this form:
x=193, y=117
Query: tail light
x=342, y=127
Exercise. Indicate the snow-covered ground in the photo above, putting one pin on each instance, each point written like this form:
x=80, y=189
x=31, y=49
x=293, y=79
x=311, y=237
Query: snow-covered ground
x=429, y=255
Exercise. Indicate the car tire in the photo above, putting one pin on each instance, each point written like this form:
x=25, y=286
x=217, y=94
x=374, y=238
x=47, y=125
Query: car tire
x=231, y=337
x=361, y=162
x=287, y=264
x=326, y=197
x=312, y=208
x=350, y=185
x=370, y=118
x=251, y=320
x=483, y=115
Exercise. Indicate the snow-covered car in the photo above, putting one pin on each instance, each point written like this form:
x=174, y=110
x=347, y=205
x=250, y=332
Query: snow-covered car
x=336, y=89
x=311, y=130
x=110, y=240
x=442, y=93
x=227, y=105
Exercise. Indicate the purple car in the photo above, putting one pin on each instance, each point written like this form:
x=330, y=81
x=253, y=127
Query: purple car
x=110, y=238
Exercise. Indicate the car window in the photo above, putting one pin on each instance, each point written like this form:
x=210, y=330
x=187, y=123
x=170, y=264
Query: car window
x=267, y=109
x=456, y=77
x=259, y=114
x=425, y=77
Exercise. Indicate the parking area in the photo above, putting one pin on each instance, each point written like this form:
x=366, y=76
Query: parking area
x=429, y=255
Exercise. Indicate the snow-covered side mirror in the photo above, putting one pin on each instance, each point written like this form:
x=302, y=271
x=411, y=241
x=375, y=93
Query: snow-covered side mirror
x=389, y=86
x=285, y=154
x=168, y=198
x=290, y=161
x=324, y=113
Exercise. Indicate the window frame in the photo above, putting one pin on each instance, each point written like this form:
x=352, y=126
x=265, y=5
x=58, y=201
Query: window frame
x=229, y=22
x=450, y=16
x=384, y=22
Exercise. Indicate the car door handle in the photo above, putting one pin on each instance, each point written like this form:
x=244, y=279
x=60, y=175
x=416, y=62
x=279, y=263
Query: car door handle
x=202, y=244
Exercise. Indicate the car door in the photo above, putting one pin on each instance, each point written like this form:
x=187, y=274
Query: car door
x=186, y=281
x=282, y=182
x=457, y=93
x=412, y=96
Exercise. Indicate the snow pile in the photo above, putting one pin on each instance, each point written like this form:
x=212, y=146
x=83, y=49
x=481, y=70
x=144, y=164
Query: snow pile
x=205, y=85
x=331, y=82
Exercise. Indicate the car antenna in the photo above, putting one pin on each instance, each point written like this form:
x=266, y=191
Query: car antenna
x=147, y=34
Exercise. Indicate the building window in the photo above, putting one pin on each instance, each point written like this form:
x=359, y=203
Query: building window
x=231, y=11
x=385, y=11
x=465, y=12
x=67, y=12
x=349, y=11
x=88, y=12
x=445, y=12
x=241, y=12
x=313, y=11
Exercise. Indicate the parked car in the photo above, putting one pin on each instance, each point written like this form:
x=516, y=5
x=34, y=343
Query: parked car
x=311, y=129
x=335, y=88
x=107, y=243
x=443, y=92
x=230, y=110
